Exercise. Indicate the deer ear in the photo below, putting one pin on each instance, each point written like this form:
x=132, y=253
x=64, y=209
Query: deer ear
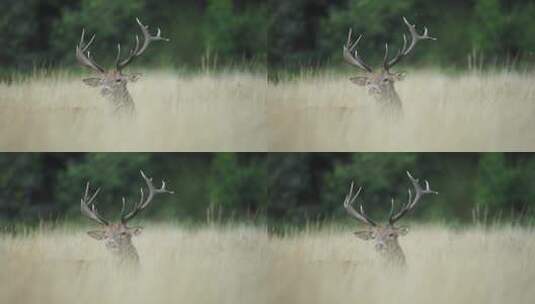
x=136, y=230
x=134, y=77
x=364, y=234
x=92, y=82
x=403, y=230
x=359, y=80
x=97, y=234
x=399, y=76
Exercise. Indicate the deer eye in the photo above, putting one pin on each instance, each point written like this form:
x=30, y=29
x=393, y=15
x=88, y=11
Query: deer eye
x=392, y=235
x=118, y=80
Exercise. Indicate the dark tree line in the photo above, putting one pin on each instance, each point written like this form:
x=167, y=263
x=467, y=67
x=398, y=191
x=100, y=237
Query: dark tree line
x=289, y=188
x=311, y=32
x=39, y=33
x=290, y=34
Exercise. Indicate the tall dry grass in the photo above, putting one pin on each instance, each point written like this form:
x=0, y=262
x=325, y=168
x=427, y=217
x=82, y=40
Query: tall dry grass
x=491, y=111
x=244, y=265
x=203, y=112
x=237, y=111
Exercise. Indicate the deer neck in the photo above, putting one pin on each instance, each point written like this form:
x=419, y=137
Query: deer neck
x=121, y=100
x=394, y=255
x=127, y=255
x=389, y=101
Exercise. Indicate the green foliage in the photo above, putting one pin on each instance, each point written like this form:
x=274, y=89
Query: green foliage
x=287, y=27
x=18, y=183
x=294, y=181
x=287, y=188
x=19, y=26
x=231, y=31
x=38, y=33
x=311, y=33
x=289, y=34
x=491, y=25
x=28, y=183
x=238, y=186
x=382, y=177
x=377, y=20
x=506, y=184
x=220, y=26
x=115, y=174
x=110, y=21
x=502, y=29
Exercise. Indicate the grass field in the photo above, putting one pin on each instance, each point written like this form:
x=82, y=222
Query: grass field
x=237, y=111
x=203, y=112
x=243, y=264
x=466, y=112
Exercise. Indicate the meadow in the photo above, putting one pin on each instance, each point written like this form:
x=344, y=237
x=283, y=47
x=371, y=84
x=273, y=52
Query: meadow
x=245, y=264
x=471, y=111
x=175, y=112
x=240, y=111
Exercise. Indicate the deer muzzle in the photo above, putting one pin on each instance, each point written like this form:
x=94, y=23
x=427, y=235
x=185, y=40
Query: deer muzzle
x=105, y=91
x=380, y=246
x=373, y=90
x=112, y=246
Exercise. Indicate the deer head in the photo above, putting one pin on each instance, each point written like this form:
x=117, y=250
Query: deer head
x=385, y=236
x=380, y=82
x=118, y=236
x=113, y=81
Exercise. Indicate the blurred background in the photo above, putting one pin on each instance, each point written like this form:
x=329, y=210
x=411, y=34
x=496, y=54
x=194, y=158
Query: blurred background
x=290, y=34
x=310, y=33
x=275, y=188
x=38, y=34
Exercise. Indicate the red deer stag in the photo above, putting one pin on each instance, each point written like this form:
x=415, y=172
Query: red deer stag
x=113, y=81
x=380, y=83
x=386, y=236
x=118, y=236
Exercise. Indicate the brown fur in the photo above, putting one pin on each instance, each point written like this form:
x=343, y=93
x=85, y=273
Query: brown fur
x=118, y=240
x=114, y=89
x=386, y=242
x=380, y=85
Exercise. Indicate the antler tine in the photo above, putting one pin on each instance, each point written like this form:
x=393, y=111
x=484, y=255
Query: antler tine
x=350, y=53
x=348, y=205
x=137, y=51
x=391, y=208
x=86, y=46
x=363, y=213
x=385, y=58
x=123, y=207
x=83, y=55
x=399, y=53
x=87, y=207
x=419, y=192
x=118, y=57
x=404, y=51
x=143, y=203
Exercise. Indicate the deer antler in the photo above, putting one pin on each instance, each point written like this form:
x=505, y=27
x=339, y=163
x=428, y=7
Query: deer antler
x=419, y=192
x=404, y=51
x=143, y=203
x=88, y=207
x=348, y=205
x=137, y=51
x=83, y=55
x=351, y=53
